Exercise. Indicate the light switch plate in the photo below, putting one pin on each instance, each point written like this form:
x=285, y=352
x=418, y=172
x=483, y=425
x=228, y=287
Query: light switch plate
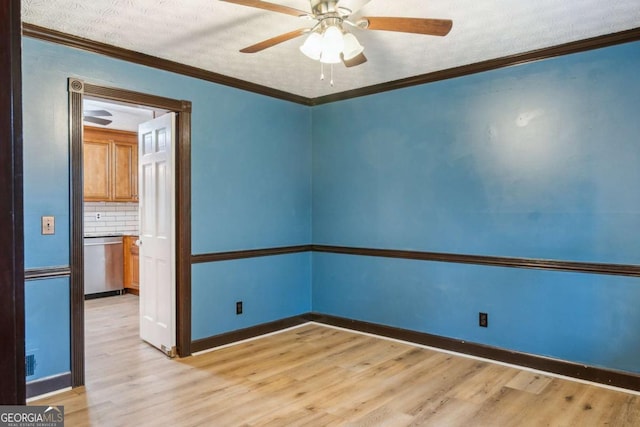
x=48, y=225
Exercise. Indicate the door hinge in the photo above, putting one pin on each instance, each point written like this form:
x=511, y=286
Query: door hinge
x=169, y=351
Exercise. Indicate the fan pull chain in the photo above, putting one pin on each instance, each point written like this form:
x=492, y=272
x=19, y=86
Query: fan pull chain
x=322, y=73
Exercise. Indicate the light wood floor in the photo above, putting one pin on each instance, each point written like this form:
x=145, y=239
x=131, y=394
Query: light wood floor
x=316, y=376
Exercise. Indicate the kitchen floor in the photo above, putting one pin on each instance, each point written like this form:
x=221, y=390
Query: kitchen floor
x=111, y=328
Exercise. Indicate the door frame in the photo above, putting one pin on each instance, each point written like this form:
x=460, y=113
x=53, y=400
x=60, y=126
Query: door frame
x=12, y=317
x=182, y=168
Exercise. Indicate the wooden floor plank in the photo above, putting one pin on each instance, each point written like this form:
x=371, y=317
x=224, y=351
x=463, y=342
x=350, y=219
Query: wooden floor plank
x=529, y=381
x=315, y=375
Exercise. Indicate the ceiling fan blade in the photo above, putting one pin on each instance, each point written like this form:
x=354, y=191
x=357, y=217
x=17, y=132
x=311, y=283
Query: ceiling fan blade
x=97, y=120
x=269, y=6
x=274, y=41
x=356, y=60
x=96, y=113
x=432, y=27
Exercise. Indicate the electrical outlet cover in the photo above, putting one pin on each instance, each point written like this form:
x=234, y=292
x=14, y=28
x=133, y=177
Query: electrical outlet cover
x=483, y=320
x=48, y=225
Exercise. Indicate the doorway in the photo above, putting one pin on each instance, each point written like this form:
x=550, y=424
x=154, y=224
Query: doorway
x=113, y=198
x=78, y=90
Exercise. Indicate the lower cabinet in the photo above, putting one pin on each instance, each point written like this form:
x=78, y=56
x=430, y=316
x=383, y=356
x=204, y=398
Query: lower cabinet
x=131, y=264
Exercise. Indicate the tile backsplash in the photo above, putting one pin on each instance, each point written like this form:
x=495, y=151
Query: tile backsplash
x=115, y=218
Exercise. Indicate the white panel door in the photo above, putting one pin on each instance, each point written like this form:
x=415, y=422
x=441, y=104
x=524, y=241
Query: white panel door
x=156, y=187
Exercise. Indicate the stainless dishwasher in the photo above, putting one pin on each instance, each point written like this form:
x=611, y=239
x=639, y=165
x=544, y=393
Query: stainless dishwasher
x=103, y=266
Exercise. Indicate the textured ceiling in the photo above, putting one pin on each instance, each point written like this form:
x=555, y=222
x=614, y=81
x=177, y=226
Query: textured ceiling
x=208, y=34
x=123, y=116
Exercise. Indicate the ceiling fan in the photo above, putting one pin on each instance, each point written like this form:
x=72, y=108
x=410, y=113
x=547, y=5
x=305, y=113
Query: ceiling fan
x=328, y=41
x=94, y=116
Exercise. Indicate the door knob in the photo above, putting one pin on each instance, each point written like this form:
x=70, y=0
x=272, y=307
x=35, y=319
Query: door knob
x=138, y=242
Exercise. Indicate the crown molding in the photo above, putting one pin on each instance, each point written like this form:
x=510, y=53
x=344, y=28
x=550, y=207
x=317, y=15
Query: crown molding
x=492, y=64
x=46, y=34
x=34, y=31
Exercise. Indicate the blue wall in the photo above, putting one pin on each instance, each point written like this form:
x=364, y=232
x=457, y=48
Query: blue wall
x=47, y=326
x=271, y=288
x=538, y=160
x=251, y=188
x=531, y=161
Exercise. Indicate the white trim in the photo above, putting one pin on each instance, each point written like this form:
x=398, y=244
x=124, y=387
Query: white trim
x=197, y=353
x=440, y=350
x=49, y=394
x=496, y=362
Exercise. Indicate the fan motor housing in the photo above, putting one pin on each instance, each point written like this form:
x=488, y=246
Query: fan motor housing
x=321, y=7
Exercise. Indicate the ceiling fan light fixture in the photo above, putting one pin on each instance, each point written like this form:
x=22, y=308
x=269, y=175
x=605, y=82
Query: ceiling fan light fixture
x=352, y=47
x=312, y=47
x=330, y=57
x=332, y=45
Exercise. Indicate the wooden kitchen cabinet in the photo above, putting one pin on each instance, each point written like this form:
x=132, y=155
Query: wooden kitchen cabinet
x=125, y=171
x=110, y=165
x=97, y=185
x=131, y=264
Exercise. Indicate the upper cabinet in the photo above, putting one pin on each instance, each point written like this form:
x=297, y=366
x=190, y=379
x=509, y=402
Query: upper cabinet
x=110, y=165
x=125, y=171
